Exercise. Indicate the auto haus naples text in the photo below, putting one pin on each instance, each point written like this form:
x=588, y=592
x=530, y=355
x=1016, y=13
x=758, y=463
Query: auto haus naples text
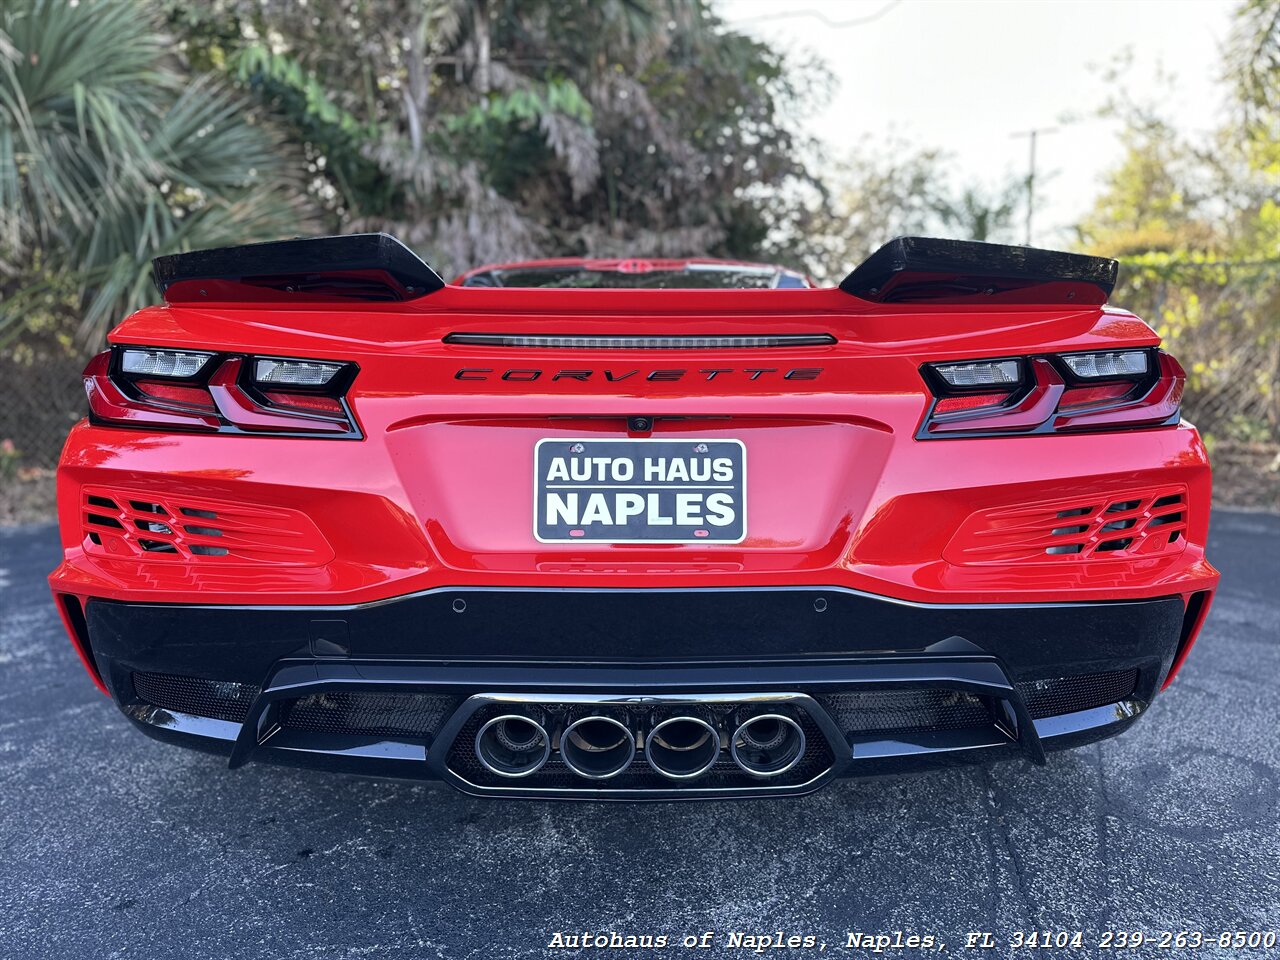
x=673, y=489
x=691, y=506
x=758, y=943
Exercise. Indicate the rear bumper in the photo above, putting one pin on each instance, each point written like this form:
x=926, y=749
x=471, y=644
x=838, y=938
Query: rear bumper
x=399, y=687
x=833, y=499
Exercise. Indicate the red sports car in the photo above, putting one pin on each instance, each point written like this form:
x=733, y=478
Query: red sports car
x=632, y=529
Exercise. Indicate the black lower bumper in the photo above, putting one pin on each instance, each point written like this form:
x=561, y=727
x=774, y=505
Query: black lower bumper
x=405, y=687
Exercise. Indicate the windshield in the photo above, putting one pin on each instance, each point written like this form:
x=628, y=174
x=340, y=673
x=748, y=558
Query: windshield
x=694, y=277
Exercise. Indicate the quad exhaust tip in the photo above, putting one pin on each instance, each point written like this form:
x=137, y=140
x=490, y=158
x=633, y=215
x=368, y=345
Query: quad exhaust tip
x=682, y=748
x=767, y=745
x=513, y=745
x=600, y=747
x=597, y=748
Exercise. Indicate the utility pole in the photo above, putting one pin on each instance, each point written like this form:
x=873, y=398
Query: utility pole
x=1031, y=135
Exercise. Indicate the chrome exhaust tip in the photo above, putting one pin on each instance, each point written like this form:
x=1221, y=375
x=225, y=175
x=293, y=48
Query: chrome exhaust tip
x=767, y=745
x=682, y=748
x=597, y=747
x=513, y=745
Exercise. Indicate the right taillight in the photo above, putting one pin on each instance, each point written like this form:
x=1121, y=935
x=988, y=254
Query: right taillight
x=197, y=390
x=1089, y=390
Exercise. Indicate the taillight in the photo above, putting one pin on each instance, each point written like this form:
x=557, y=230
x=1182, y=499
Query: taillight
x=1093, y=390
x=1088, y=396
x=180, y=364
x=980, y=373
x=114, y=398
x=194, y=390
x=969, y=402
x=304, y=402
x=176, y=393
x=1108, y=364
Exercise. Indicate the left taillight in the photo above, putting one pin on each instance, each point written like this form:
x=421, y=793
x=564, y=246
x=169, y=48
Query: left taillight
x=1058, y=393
x=226, y=393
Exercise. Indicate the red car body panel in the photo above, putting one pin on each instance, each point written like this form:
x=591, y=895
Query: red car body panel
x=438, y=491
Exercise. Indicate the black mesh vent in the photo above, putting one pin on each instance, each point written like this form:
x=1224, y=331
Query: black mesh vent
x=413, y=716
x=906, y=711
x=1051, y=698
x=817, y=759
x=221, y=700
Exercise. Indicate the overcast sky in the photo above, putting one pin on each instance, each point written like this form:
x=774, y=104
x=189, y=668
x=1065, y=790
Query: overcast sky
x=965, y=75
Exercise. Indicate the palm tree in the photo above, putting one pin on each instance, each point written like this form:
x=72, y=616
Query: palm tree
x=109, y=157
x=1253, y=55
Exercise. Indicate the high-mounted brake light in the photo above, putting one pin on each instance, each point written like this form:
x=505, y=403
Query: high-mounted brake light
x=188, y=390
x=163, y=363
x=1077, y=391
x=613, y=342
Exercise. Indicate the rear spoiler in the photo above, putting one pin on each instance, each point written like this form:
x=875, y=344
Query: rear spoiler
x=928, y=270
x=378, y=267
x=361, y=266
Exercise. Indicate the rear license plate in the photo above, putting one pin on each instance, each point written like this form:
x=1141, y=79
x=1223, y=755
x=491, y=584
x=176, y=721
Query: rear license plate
x=640, y=491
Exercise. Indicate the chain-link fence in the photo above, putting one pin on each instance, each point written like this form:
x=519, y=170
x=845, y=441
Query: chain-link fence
x=1221, y=319
x=41, y=396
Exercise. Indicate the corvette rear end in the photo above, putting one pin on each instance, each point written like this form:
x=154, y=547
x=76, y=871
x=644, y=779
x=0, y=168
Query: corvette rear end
x=632, y=544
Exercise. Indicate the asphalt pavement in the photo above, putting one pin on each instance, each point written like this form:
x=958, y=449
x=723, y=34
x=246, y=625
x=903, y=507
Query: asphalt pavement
x=112, y=845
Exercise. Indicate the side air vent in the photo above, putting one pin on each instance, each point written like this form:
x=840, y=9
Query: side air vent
x=1052, y=698
x=906, y=711
x=640, y=343
x=888, y=713
x=220, y=700
x=176, y=529
x=396, y=716
x=393, y=716
x=1116, y=526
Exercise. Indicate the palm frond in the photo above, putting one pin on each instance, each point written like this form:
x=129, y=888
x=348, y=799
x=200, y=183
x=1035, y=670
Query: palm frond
x=75, y=101
x=107, y=159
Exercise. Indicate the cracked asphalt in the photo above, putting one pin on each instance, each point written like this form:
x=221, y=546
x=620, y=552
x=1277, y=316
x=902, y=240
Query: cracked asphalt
x=117, y=846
